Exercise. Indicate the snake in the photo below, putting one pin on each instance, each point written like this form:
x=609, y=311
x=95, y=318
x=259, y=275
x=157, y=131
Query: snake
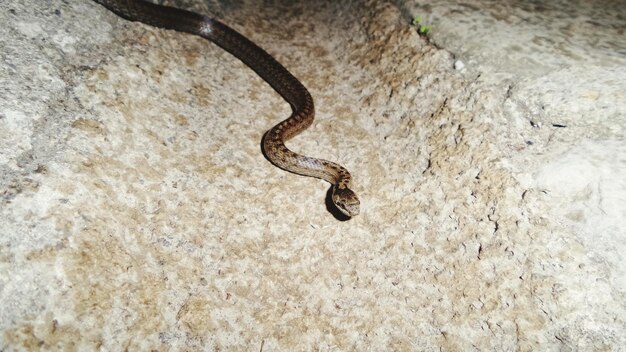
x=272, y=72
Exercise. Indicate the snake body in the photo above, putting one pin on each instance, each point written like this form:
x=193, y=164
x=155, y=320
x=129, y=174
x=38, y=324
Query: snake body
x=275, y=74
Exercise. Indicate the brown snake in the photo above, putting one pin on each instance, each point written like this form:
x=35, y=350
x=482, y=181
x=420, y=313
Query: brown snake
x=273, y=73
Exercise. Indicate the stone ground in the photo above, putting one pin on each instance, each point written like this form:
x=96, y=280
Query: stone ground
x=137, y=211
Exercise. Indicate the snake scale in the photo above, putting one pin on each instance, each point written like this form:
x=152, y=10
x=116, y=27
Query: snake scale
x=275, y=74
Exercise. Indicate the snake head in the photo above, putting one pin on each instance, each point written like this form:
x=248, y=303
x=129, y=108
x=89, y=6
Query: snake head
x=346, y=201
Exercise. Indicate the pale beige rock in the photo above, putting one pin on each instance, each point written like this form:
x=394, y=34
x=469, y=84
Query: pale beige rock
x=139, y=213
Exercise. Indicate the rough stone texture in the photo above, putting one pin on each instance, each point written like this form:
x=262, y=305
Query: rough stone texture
x=138, y=212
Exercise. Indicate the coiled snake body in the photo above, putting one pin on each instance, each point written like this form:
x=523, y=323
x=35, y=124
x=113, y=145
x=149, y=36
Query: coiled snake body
x=273, y=73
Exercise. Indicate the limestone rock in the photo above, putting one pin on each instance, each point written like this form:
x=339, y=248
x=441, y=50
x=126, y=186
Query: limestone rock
x=137, y=211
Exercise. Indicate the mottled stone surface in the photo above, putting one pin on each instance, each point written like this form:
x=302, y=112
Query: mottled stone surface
x=137, y=211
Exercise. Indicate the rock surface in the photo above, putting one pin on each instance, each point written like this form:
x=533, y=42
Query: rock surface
x=137, y=211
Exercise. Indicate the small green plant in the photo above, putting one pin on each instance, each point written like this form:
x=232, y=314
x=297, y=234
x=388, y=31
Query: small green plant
x=421, y=29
